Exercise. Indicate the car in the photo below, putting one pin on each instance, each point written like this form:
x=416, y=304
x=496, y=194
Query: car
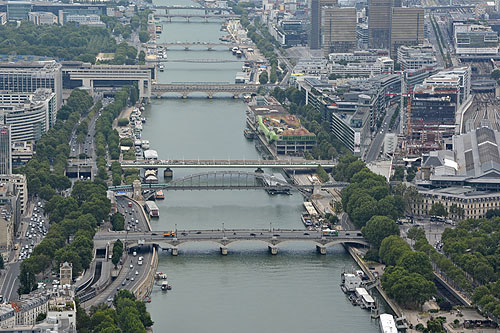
x=136, y=221
x=276, y=235
x=306, y=234
x=124, y=282
x=118, y=289
x=136, y=272
x=132, y=278
x=131, y=266
x=127, y=278
x=198, y=232
x=154, y=234
x=110, y=299
x=253, y=234
x=184, y=233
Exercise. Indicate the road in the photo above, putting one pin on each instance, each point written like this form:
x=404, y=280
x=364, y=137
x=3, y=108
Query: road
x=374, y=150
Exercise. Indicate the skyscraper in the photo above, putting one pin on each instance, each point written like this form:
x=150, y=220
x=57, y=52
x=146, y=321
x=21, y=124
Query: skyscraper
x=5, y=150
x=338, y=30
x=407, y=28
x=315, y=32
x=379, y=22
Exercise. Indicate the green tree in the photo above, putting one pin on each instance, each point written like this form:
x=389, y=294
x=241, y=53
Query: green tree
x=378, y=228
x=392, y=248
x=118, y=221
x=415, y=233
x=438, y=209
x=263, y=78
x=417, y=262
x=322, y=174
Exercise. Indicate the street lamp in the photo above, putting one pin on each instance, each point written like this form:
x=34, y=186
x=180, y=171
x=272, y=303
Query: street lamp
x=176, y=230
x=223, y=230
x=270, y=226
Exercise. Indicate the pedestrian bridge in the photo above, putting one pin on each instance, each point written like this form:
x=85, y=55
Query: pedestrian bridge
x=210, y=89
x=224, y=237
x=228, y=164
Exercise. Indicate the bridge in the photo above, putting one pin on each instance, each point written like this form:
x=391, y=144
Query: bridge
x=205, y=17
x=228, y=164
x=224, y=237
x=197, y=61
x=210, y=89
x=228, y=180
x=206, y=9
x=200, y=45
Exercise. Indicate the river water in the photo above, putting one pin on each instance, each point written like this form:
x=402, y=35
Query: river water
x=249, y=290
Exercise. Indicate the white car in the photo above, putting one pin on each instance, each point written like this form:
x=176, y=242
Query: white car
x=136, y=272
x=131, y=266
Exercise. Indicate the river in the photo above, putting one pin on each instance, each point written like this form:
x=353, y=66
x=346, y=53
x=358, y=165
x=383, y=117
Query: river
x=249, y=290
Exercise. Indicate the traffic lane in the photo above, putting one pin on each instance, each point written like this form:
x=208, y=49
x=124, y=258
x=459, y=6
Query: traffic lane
x=142, y=269
x=11, y=282
x=122, y=204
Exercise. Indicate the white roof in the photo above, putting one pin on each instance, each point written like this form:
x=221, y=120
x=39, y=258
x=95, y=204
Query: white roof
x=361, y=291
x=151, y=154
x=387, y=324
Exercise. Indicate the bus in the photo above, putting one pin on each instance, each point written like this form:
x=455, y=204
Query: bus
x=329, y=232
x=169, y=234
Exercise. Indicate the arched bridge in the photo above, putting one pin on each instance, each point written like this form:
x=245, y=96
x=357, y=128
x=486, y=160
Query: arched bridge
x=228, y=164
x=226, y=180
x=224, y=237
x=210, y=89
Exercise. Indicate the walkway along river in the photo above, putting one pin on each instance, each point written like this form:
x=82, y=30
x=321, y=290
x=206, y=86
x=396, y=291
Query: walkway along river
x=249, y=290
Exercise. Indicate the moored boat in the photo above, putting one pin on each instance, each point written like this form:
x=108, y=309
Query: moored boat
x=159, y=195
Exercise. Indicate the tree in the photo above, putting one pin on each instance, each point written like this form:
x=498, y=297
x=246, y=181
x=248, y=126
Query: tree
x=263, y=77
x=322, y=174
x=143, y=36
x=378, y=228
x=41, y=316
x=438, y=209
x=416, y=262
x=118, y=221
x=392, y=248
x=415, y=233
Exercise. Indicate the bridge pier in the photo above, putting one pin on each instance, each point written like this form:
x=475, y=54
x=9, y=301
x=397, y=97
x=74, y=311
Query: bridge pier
x=259, y=170
x=175, y=251
x=273, y=249
x=223, y=250
x=184, y=95
x=236, y=96
x=186, y=48
x=321, y=249
x=210, y=95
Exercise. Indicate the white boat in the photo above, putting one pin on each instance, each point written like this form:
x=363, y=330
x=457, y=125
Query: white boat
x=162, y=68
x=165, y=286
x=387, y=323
x=145, y=144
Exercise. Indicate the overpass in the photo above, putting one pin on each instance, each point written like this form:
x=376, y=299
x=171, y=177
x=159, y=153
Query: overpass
x=224, y=237
x=228, y=164
x=205, y=17
x=208, y=88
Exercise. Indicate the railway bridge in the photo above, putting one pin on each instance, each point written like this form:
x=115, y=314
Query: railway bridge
x=224, y=237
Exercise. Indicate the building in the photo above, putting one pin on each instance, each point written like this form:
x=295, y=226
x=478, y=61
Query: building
x=407, y=28
x=39, y=18
x=7, y=316
x=21, y=189
x=312, y=66
x=27, y=77
x=390, y=143
x=362, y=69
x=315, y=26
x=66, y=273
x=96, y=77
x=29, y=307
x=460, y=76
x=29, y=115
x=18, y=10
x=91, y=20
x=63, y=308
x=379, y=23
x=416, y=57
x=358, y=56
x=9, y=215
x=5, y=150
x=338, y=30
x=281, y=130
x=3, y=18
x=474, y=39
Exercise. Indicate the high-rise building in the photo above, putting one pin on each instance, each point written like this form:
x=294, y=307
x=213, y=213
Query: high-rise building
x=339, y=30
x=5, y=150
x=407, y=28
x=379, y=23
x=29, y=76
x=315, y=31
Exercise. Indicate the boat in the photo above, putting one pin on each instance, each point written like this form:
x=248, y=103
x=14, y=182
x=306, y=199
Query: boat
x=159, y=29
x=159, y=195
x=365, y=300
x=349, y=282
x=145, y=144
x=306, y=219
x=235, y=49
x=387, y=323
x=143, y=120
x=160, y=276
x=161, y=68
x=249, y=134
x=165, y=286
x=239, y=54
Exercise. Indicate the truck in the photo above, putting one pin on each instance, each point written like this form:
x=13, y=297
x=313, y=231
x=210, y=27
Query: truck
x=169, y=234
x=329, y=232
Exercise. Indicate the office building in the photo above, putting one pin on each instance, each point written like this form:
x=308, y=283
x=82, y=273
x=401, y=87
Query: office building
x=18, y=10
x=9, y=215
x=460, y=76
x=39, y=18
x=379, y=23
x=474, y=39
x=29, y=115
x=315, y=28
x=338, y=30
x=407, y=28
x=22, y=153
x=21, y=189
x=27, y=77
x=90, y=20
x=5, y=150
x=416, y=57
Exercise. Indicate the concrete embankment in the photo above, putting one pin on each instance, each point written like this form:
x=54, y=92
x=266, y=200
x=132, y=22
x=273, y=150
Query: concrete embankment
x=393, y=306
x=144, y=288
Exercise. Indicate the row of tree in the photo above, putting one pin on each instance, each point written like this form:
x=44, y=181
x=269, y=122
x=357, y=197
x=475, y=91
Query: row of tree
x=129, y=315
